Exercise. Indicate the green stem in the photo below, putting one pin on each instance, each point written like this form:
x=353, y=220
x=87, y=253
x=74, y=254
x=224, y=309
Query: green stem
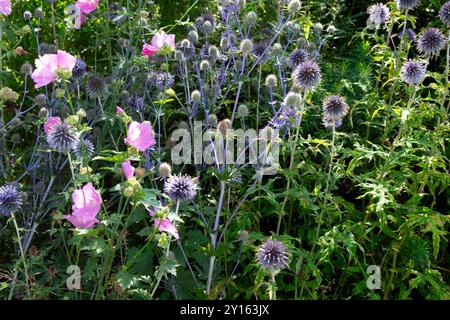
x=21, y=253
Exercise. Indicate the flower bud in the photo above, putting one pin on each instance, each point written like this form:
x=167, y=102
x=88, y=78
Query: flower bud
x=196, y=96
x=204, y=65
x=165, y=170
x=251, y=18
x=246, y=46
x=223, y=126
x=59, y=93
x=193, y=36
x=271, y=81
x=294, y=6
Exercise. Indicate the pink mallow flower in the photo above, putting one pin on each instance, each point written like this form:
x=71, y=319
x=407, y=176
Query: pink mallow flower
x=50, y=123
x=49, y=65
x=5, y=7
x=159, y=40
x=128, y=170
x=87, y=6
x=86, y=206
x=140, y=135
x=164, y=224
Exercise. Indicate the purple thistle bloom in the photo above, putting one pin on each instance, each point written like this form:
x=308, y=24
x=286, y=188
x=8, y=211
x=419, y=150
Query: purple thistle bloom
x=335, y=107
x=412, y=72
x=161, y=80
x=260, y=51
x=179, y=187
x=431, y=41
x=379, y=14
x=297, y=57
x=62, y=137
x=81, y=149
x=79, y=69
x=206, y=23
x=10, y=200
x=307, y=74
x=444, y=13
x=272, y=255
x=406, y=4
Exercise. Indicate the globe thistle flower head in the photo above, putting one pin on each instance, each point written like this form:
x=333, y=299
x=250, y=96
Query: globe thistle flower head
x=406, y=4
x=297, y=57
x=180, y=187
x=62, y=137
x=96, y=87
x=26, y=69
x=292, y=99
x=335, y=107
x=206, y=23
x=307, y=74
x=261, y=52
x=272, y=255
x=271, y=81
x=294, y=6
x=378, y=14
x=246, y=46
x=413, y=72
x=83, y=149
x=410, y=33
x=10, y=200
x=431, y=41
x=444, y=13
x=79, y=69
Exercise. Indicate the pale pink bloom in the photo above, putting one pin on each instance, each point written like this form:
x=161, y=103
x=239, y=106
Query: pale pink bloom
x=87, y=6
x=50, y=123
x=159, y=40
x=128, y=169
x=86, y=206
x=148, y=50
x=5, y=7
x=48, y=65
x=164, y=224
x=140, y=135
x=119, y=111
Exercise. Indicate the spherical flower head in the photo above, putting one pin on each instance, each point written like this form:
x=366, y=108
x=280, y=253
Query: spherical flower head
x=335, y=107
x=162, y=43
x=140, y=135
x=79, y=69
x=128, y=169
x=96, y=87
x=196, y=96
x=5, y=7
x=431, y=41
x=406, y=4
x=378, y=14
x=271, y=81
x=246, y=46
x=206, y=23
x=204, y=65
x=83, y=148
x=87, y=6
x=297, y=57
x=261, y=52
x=242, y=111
x=307, y=74
x=10, y=200
x=49, y=66
x=251, y=18
x=86, y=206
x=413, y=72
x=179, y=187
x=444, y=13
x=294, y=6
x=165, y=170
x=292, y=99
x=62, y=137
x=272, y=255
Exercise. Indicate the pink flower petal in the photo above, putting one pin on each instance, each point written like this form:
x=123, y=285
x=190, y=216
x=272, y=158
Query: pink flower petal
x=87, y=6
x=140, y=135
x=119, y=111
x=148, y=50
x=65, y=60
x=128, y=169
x=87, y=201
x=81, y=221
x=50, y=123
x=5, y=7
x=167, y=226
